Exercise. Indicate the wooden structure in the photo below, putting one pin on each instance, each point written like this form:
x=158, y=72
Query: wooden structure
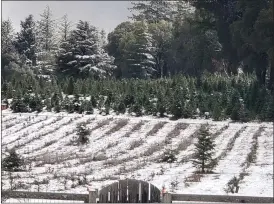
x=129, y=191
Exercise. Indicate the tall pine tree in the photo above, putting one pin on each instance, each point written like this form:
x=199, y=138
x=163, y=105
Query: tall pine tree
x=84, y=55
x=139, y=56
x=26, y=40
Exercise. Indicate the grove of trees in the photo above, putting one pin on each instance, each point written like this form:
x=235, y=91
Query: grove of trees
x=180, y=58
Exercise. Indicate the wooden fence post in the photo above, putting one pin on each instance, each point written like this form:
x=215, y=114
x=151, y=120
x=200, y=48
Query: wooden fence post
x=166, y=198
x=92, y=196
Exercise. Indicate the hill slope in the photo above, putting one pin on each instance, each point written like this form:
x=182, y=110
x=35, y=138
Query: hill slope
x=122, y=147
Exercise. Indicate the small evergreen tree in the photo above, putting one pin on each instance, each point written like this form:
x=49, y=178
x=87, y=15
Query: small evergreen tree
x=107, y=109
x=129, y=100
x=217, y=112
x=203, y=150
x=55, y=100
x=83, y=132
x=48, y=104
x=161, y=107
x=12, y=162
x=188, y=110
x=235, y=114
x=35, y=104
x=65, y=104
x=93, y=101
x=169, y=156
x=18, y=106
x=137, y=109
x=89, y=107
x=120, y=107
x=176, y=109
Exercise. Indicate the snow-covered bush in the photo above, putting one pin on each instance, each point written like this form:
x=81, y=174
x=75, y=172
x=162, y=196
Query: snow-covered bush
x=82, y=132
x=169, y=156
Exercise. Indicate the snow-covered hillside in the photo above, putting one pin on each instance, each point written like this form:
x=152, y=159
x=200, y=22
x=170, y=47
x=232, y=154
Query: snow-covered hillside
x=127, y=147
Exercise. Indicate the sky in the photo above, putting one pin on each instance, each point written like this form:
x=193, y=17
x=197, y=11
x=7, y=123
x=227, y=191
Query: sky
x=102, y=14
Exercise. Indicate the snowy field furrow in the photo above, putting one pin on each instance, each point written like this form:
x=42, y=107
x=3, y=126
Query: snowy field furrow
x=27, y=124
x=62, y=140
x=26, y=132
x=134, y=163
x=63, y=131
x=125, y=142
x=66, y=154
x=99, y=145
x=222, y=141
x=132, y=147
x=97, y=166
x=260, y=173
x=8, y=118
x=35, y=135
x=227, y=167
x=186, y=148
x=163, y=174
x=149, y=141
x=10, y=124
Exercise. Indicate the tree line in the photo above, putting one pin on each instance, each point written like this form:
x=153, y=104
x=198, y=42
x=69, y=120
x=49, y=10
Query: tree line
x=240, y=98
x=161, y=39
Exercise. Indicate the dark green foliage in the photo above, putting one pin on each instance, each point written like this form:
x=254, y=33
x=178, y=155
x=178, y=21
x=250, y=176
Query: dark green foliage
x=70, y=88
x=18, y=106
x=204, y=149
x=120, y=107
x=35, y=104
x=137, y=109
x=176, y=109
x=93, y=101
x=161, y=108
x=188, y=111
x=217, y=112
x=129, y=100
x=12, y=162
x=243, y=114
x=55, y=100
x=57, y=108
x=235, y=114
x=87, y=106
x=270, y=109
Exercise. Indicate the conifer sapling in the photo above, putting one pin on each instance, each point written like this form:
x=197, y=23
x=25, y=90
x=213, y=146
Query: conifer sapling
x=203, y=150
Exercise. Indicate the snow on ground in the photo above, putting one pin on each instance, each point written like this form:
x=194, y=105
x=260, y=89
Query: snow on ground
x=260, y=173
x=31, y=120
x=227, y=167
x=130, y=147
